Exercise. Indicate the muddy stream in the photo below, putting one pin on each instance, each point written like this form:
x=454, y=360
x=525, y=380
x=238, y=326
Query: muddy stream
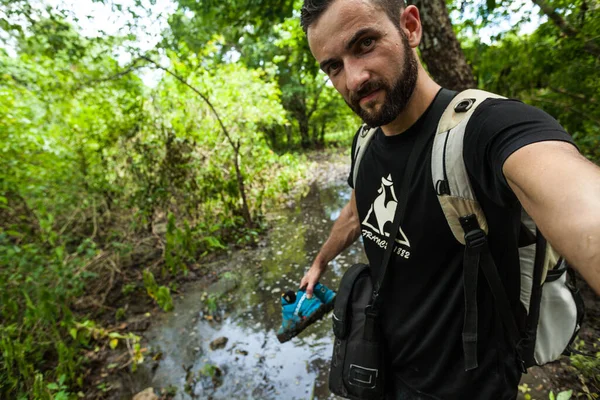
x=232, y=352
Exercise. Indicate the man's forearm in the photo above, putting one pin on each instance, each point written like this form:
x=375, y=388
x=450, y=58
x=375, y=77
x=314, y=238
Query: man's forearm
x=345, y=231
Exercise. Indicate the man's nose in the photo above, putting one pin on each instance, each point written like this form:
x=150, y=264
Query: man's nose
x=356, y=75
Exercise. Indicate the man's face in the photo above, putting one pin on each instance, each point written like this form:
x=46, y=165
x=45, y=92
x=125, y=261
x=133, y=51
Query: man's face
x=367, y=58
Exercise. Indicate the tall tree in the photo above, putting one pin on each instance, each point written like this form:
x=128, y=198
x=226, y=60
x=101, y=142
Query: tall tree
x=440, y=49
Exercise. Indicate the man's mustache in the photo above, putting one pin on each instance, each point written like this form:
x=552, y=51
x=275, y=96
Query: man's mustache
x=365, y=90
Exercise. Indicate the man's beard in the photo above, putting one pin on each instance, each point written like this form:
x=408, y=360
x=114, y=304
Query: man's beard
x=396, y=97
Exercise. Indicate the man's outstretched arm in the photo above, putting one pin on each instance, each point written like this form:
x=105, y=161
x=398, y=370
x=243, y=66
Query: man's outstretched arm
x=345, y=231
x=560, y=189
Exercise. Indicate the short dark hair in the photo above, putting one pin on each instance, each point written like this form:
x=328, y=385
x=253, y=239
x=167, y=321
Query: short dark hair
x=313, y=9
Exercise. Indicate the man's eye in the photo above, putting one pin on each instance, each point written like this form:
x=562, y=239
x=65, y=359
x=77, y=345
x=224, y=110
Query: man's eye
x=366, y=43
x=334, y=66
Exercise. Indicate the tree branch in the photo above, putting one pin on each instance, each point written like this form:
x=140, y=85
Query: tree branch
x=118, y=75
x=575, y=96
x=206, y=100
x=556, y=18
x=565, y=27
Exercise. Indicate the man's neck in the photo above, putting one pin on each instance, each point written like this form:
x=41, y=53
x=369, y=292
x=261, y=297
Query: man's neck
x=424, y=94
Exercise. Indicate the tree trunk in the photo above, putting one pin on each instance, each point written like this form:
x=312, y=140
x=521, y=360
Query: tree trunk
x=288, y=135
x=322, y=135
x=440, y=50
x=304, y=130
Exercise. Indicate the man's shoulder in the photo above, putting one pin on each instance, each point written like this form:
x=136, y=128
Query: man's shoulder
x=494, y=109
x=494, y=112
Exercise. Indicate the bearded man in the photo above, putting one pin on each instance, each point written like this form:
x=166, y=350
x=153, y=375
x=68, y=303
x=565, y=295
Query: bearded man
x=516, y=156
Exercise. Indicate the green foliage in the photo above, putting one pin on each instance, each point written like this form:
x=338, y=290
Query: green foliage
x=195, y=22
x=588, y=367
x=211, y=304
x=93, y=163
x=128, y=288
x=35, y=288
x=120, y=314
x=59, y=389
x=160, y=294
x=554, y=68
x=312, y=106
x=179, y=246
x=209, y=370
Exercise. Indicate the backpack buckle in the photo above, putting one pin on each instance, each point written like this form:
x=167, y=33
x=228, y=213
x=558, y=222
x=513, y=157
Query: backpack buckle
x=475, y=238
x=464, y=106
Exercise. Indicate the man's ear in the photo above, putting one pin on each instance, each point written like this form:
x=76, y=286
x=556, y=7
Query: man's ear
x=410, y=21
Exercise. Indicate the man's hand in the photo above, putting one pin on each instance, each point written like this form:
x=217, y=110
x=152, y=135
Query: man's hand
x=312, y=276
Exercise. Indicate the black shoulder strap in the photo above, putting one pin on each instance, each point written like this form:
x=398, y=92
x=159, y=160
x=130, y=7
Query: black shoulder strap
x=477, y=254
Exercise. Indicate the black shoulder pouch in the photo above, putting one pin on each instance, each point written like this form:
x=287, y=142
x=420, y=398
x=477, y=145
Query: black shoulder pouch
x=357, y=362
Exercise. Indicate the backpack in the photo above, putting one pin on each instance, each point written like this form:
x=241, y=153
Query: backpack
x=553, y=305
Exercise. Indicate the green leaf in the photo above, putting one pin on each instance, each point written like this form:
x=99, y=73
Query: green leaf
x=61, y=396
x=565, y=395
x=60, y=252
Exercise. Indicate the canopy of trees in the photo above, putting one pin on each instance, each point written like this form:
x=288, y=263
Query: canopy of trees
x=105, y=180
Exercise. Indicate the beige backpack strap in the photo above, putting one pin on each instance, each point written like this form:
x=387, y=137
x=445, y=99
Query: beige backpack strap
x=450, y=178
x=364, y=138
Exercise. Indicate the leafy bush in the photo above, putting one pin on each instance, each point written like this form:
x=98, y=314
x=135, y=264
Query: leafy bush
x=90, y=167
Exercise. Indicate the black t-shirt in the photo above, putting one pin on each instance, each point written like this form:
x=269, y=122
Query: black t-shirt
x=424, y=303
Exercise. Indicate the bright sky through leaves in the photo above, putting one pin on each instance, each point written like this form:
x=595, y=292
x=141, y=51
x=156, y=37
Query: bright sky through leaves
x=95, y=19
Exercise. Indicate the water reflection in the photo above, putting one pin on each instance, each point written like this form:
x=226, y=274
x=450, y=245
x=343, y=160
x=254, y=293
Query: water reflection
x=253, y=364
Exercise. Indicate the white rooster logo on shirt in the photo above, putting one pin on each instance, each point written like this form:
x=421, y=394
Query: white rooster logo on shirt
x=383, y=210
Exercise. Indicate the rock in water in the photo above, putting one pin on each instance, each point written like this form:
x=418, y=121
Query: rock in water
x=218, y=343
